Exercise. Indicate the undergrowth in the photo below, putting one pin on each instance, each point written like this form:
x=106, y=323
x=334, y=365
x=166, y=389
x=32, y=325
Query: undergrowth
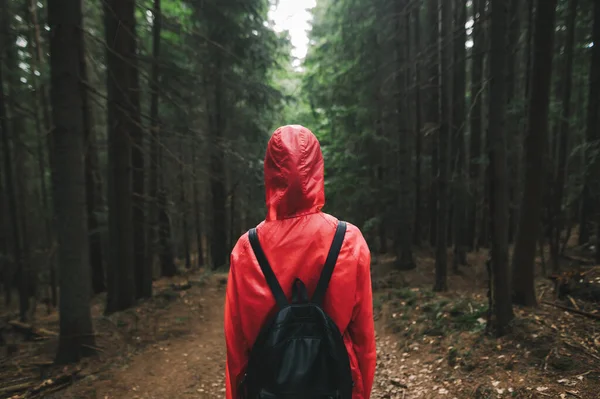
x=416, y=312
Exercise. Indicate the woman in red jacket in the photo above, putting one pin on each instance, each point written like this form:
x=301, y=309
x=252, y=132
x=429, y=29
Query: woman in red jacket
x=296, y=237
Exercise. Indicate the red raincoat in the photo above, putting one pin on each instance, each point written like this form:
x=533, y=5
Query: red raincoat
x=296, y=237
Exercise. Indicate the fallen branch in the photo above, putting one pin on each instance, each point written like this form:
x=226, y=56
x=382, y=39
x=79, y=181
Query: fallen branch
x=593, y=269
x=30, y=389
x=50, y=391
x=30, y=331
x=573, y=302
x=573, y=394
x=579, y=260
x=8, y=391
x=573, y=310
x=542, y=292
x=587, y=372
x=62, y=380
x=582, y=349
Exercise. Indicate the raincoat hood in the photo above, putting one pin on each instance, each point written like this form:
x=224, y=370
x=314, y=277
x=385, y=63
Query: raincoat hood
x=294, y=173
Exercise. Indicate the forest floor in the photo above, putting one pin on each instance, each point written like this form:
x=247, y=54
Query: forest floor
x=429, y=345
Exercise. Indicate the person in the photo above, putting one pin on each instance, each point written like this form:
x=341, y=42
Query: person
x=296, y=236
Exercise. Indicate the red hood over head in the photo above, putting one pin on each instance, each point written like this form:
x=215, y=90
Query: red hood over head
x=294, y=173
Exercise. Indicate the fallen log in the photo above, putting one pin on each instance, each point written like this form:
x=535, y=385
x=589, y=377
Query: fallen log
x=573, y=310
x=30, y=332
x=11, y=390
x=579, y=260
x=49, y=391
x=62, y=380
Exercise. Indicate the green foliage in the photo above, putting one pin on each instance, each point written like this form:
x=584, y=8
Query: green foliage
x=342, y=85
x=221, y=65
x=416, y=312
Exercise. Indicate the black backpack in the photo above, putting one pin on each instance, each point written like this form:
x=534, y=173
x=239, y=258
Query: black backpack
x=300, y=352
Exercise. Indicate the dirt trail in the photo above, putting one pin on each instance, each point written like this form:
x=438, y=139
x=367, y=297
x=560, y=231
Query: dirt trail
x=173, y=347
x=187, y=366
x=193, y=365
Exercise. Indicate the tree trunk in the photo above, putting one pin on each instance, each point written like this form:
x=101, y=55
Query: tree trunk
x=5, y=264
x=513, y=119
x=168, y=268
x=232, y=211
x=217, y=166
x=528, y=48
x=167, y=258
x=93, y=185
x=418, y=235
x=39, y=99
x=183, y=208
x=535, y=144
x=5, y=275
x=433, y=112
x=8, y=163
x=39, y=58
x=143, y=281
x=403, y=242
x=382, y=228
x=14, y=155
x=500, y=272
x=476, y=120
x=76, y=338
x=121, y=279
x=197, y=207
x=155, y=158
x=591, y=190
x=591, y=184
x=561, y=169
x=441, y=255
x=461, y=242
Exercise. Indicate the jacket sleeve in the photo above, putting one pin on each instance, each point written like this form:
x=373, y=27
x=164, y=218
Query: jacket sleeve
x=236, y=344
x=362, y=325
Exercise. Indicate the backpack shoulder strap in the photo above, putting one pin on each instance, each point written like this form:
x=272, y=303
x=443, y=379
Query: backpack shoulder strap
x=330, y=262
x=267, y=271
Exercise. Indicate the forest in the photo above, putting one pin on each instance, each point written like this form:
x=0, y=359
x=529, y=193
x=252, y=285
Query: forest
x=461, y=136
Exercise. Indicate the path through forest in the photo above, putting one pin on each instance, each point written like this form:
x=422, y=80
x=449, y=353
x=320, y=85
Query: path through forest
x=192, y=365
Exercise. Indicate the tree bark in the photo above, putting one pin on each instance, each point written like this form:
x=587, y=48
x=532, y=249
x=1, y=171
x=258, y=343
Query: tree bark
x=143, y=282
x=591, y=191
x=514, y=151
x=39, y=58
x=197, y=207
x=500, y=272
x=184, y=209
x=433, y=112
x=475, y=155
x=217, y=176
x=39, y=99
x=561, y=170
x=15, y=177
x=590, y=207
x=66, y=47
x=155, y=166
x=441, y=255
x=121, y=278
x=7, y=158
x=459, y=89
x=528, y=48
x=93, y=185
x=403, y=242
x=418, y=234
x=167, y=258
x=535, y=144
